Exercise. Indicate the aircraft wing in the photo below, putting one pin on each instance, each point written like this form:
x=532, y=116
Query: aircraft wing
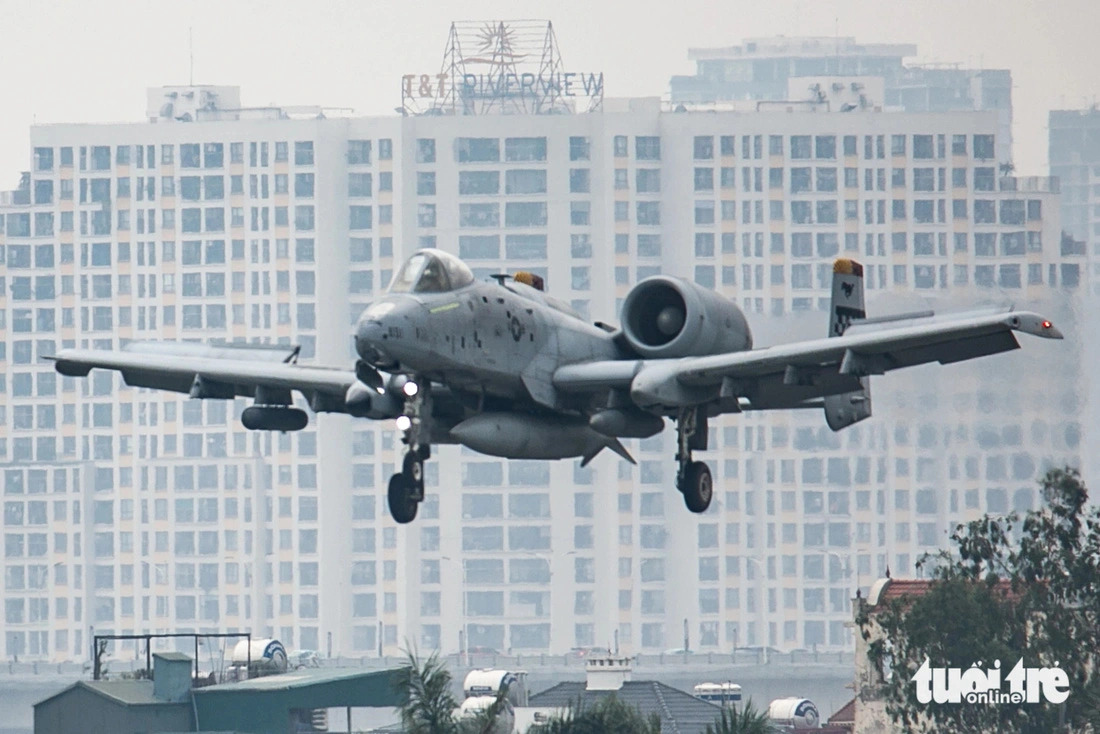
x=791, y=375
x=215, y=372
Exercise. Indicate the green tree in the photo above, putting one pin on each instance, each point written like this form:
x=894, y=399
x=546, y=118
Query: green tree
x=1012, y=588
x=745, y=720
x=606, y=716
x=429, y=704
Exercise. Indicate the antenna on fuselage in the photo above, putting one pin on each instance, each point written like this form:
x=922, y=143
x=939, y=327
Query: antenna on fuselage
x=500, y=277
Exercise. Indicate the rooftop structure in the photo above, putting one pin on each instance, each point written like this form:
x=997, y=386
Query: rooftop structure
x=678, y=710
x=761, y=68
x=169, y=703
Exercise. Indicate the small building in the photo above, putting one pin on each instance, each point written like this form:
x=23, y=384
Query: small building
x=678, y=710
x=298, y=701
x=159, y=705
x=869, y=715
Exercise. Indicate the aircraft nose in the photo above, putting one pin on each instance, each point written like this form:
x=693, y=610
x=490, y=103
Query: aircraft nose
x=382, y=328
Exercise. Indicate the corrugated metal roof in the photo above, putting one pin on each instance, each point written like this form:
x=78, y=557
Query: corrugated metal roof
x=261, y=704
x=126, y=692
x=304, y=678
x=680, y=712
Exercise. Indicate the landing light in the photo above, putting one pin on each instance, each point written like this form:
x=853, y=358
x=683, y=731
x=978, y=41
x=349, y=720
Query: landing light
x=410, y=388
x=403, y=422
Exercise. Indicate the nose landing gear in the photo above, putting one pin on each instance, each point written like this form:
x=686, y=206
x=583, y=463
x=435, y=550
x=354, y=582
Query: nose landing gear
x=406, y=488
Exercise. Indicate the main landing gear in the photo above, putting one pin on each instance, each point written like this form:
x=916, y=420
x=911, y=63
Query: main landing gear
x=406, y=489
x=693, y=478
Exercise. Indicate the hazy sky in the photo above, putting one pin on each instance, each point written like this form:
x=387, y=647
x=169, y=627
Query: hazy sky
x=92, y=60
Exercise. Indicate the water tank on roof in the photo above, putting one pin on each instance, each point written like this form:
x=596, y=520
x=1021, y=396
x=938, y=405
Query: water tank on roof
x=505, y=722
x=488, y=682
x=796, y=713
x=723, y=694
x=265, y=657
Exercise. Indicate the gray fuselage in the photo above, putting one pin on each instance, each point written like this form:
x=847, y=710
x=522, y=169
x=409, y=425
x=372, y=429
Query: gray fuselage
x=502, y=340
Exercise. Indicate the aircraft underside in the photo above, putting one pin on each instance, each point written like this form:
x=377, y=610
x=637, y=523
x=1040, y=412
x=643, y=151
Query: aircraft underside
x=533, y=434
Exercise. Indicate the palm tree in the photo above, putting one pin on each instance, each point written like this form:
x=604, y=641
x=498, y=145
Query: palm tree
x=429, y=705
x=747, y=720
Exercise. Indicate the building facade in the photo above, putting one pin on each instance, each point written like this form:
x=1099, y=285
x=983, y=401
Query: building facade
x=131, y=511
x=770, y=68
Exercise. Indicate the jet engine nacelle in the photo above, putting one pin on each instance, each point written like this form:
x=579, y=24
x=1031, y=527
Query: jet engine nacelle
x=665, y=316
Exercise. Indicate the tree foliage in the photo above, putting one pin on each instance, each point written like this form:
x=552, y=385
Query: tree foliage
x=608, y=715
x=744, y=720
x=1012, y=588
x=429, y=704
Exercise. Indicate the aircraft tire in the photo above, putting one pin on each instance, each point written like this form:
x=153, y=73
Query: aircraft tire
x=402, y=504
x=698, y=487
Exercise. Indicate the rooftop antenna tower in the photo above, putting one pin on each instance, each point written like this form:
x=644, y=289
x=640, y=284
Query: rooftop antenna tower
x=190, y=56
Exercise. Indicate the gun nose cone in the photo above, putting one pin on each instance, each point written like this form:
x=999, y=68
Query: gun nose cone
x=383, y=331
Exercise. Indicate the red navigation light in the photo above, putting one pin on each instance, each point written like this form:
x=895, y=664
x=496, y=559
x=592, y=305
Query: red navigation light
x=1047, y=324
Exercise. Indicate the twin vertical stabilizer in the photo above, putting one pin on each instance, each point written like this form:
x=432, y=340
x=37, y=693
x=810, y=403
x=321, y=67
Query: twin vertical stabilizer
x=845, y=409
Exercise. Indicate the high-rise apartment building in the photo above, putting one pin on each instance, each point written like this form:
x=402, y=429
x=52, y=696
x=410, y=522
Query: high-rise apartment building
x=1075, y=159
x=768, y=69
x=130, y=510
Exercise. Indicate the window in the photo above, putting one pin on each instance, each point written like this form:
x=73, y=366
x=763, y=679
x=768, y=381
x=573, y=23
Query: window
x=579, y=148
x=303, y=185
x=579, y=182
x=472, y=183
x=525, y=214
x=704, y=147
x=303, y=153
x=213, y=155
x=477, y=150
x=425, y=150
x=801, y=147
x=983, y=147
x=358, y=151
x=647, y=148
x=525, y=181
x=648, y=212
x=359, y=184
x=922, y=147
x=648, y=180
x=525, y=149
x=704, y=179
x=425, y=183
x=479, y=215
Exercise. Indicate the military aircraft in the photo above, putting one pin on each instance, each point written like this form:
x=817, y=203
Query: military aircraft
x=505, y=369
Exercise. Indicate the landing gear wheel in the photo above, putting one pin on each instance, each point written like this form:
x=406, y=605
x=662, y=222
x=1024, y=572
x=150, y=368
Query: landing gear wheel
x=402, y=499
x=413, y=469
x=697, y=486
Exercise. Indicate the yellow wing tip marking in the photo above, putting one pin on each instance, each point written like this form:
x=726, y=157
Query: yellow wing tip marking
x=847, y=266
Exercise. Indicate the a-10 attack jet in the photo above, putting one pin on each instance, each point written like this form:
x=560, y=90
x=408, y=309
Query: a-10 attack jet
x=507, y=370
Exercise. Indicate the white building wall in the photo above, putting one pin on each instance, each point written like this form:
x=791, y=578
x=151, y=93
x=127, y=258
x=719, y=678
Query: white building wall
x=523, y=555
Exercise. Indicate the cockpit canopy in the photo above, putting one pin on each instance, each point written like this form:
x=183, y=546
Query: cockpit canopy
x=431, y=271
